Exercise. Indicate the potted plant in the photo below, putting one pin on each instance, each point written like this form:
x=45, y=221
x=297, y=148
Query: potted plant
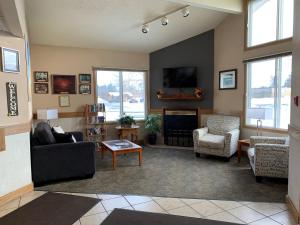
x=152, y=124
x=126, y=121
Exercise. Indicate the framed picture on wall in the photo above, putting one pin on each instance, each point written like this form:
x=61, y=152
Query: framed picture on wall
x=40, y=76
x=64, y=101
x=41, y=88
x=10, y=60
x=85, y=78
x=64, y=84
x=228, y=79
x=85, y=89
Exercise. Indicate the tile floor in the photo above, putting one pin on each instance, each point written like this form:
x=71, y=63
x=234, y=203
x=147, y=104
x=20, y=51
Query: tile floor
x=238, y=212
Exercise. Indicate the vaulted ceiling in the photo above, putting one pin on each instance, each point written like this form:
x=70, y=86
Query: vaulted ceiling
x=116, y=24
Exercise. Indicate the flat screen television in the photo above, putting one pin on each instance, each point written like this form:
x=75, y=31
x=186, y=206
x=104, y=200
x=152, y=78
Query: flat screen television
x=180, y=77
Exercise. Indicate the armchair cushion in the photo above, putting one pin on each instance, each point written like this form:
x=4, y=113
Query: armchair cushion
x=212, y=141
x=219, y=124
x=266, y=140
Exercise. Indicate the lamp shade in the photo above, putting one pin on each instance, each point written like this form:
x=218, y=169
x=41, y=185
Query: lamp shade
x=259, y=113
x=47, y=114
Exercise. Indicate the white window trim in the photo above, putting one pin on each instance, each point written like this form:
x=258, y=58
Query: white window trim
x=279, y=26
x=277, y=88
x=121, y=89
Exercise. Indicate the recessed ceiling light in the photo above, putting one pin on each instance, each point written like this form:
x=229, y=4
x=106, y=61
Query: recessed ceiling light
x=164, y=21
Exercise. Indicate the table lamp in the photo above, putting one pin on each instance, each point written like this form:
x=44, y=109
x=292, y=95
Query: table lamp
x=259, y=114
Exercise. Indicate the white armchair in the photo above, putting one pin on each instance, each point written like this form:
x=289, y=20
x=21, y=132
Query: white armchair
x=269, y=156
x=219, y=138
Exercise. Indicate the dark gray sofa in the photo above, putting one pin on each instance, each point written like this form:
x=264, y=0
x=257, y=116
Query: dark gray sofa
x=60, y=161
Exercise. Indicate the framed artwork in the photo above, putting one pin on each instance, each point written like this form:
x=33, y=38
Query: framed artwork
x=10, y=60
x=40, y=76
x=41, y=88
x=64, y=101
x=228, y=79
x=64, y=84
x=85, y=89
x=85, y=78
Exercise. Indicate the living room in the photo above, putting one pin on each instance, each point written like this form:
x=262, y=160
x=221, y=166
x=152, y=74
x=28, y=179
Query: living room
x=184, y=109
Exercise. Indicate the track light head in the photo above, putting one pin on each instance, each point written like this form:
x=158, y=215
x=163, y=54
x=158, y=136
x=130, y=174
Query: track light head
x=164, y=21
x=145, y=28
x=185, y=12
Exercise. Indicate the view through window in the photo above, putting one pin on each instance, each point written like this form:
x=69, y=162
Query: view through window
x=269, y=20
x=122, y=92
x=269, y=89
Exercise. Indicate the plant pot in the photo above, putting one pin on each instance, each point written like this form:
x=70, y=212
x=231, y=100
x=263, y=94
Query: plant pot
x=152, y=139
x=126, y=125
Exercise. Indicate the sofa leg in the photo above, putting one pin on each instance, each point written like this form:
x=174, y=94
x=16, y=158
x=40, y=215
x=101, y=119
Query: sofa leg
x=258, y=179
x=197, y=154
x=227, y=159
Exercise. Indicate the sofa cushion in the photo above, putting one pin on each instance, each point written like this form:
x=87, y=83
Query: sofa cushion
x=212, y=141
x=43, y=133
x=63, y=138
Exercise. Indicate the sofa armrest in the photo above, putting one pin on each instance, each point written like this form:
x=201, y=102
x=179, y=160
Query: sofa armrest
x=231, y=142
x=271, y=160
x=266, y=140
x=78, y=135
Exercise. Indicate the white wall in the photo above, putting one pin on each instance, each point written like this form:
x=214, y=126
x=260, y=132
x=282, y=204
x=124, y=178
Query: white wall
x=294, y=157
x=15, y=166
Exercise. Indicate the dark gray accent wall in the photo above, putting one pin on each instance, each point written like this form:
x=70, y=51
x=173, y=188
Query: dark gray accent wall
x=197, y=51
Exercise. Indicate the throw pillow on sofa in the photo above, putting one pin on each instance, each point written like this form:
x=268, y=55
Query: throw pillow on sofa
x=63, y=138
x=43, y=134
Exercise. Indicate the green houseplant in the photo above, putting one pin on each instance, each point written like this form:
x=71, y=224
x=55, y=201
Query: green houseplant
x=126, y=121
x=153, y=125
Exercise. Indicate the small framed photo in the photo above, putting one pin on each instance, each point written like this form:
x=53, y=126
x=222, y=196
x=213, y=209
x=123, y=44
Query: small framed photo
x=10, y=60
x=64, y=101
x=41, y=88
x=85, y=78
x=40, y=76
x=85, y=89
x=228, y=79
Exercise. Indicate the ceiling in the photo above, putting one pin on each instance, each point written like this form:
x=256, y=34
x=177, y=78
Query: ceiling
x=114, y=24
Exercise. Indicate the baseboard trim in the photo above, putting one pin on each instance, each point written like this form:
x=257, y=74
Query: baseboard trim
x=293, y=209
x=16, y=194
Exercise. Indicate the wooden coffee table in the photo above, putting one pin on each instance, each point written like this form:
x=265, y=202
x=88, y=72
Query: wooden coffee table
x=245, y=142
x=120, y=147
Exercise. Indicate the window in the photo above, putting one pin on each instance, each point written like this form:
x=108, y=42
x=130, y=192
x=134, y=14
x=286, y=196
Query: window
x=269, y=20
x=123, y=92
x=269, y=91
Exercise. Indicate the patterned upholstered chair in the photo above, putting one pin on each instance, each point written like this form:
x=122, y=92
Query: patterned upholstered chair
x=219, y=138
x=269, y=156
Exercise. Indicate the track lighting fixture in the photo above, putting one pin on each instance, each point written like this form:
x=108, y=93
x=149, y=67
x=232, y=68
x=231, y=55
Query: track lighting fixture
x=163, y=18
x=145, y=28
x=164, y=21
x=185, y=12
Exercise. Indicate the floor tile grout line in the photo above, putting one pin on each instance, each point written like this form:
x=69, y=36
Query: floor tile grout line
x=166, y=209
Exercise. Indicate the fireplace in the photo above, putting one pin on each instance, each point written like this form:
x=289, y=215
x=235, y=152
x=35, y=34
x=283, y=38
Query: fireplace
x=179, y=125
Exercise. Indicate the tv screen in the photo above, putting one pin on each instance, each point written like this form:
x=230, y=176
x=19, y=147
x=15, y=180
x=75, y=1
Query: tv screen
x=181, y=77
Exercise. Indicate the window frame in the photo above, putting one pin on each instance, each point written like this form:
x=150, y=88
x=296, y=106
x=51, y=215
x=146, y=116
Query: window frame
x=95, y=69
x=277, y=79
x=247, y=28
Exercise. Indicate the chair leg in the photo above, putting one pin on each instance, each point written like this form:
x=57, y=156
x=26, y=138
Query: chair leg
x=197, y=154
x=258, y=179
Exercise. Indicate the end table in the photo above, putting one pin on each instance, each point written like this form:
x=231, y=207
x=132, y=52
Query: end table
x=245, y=142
